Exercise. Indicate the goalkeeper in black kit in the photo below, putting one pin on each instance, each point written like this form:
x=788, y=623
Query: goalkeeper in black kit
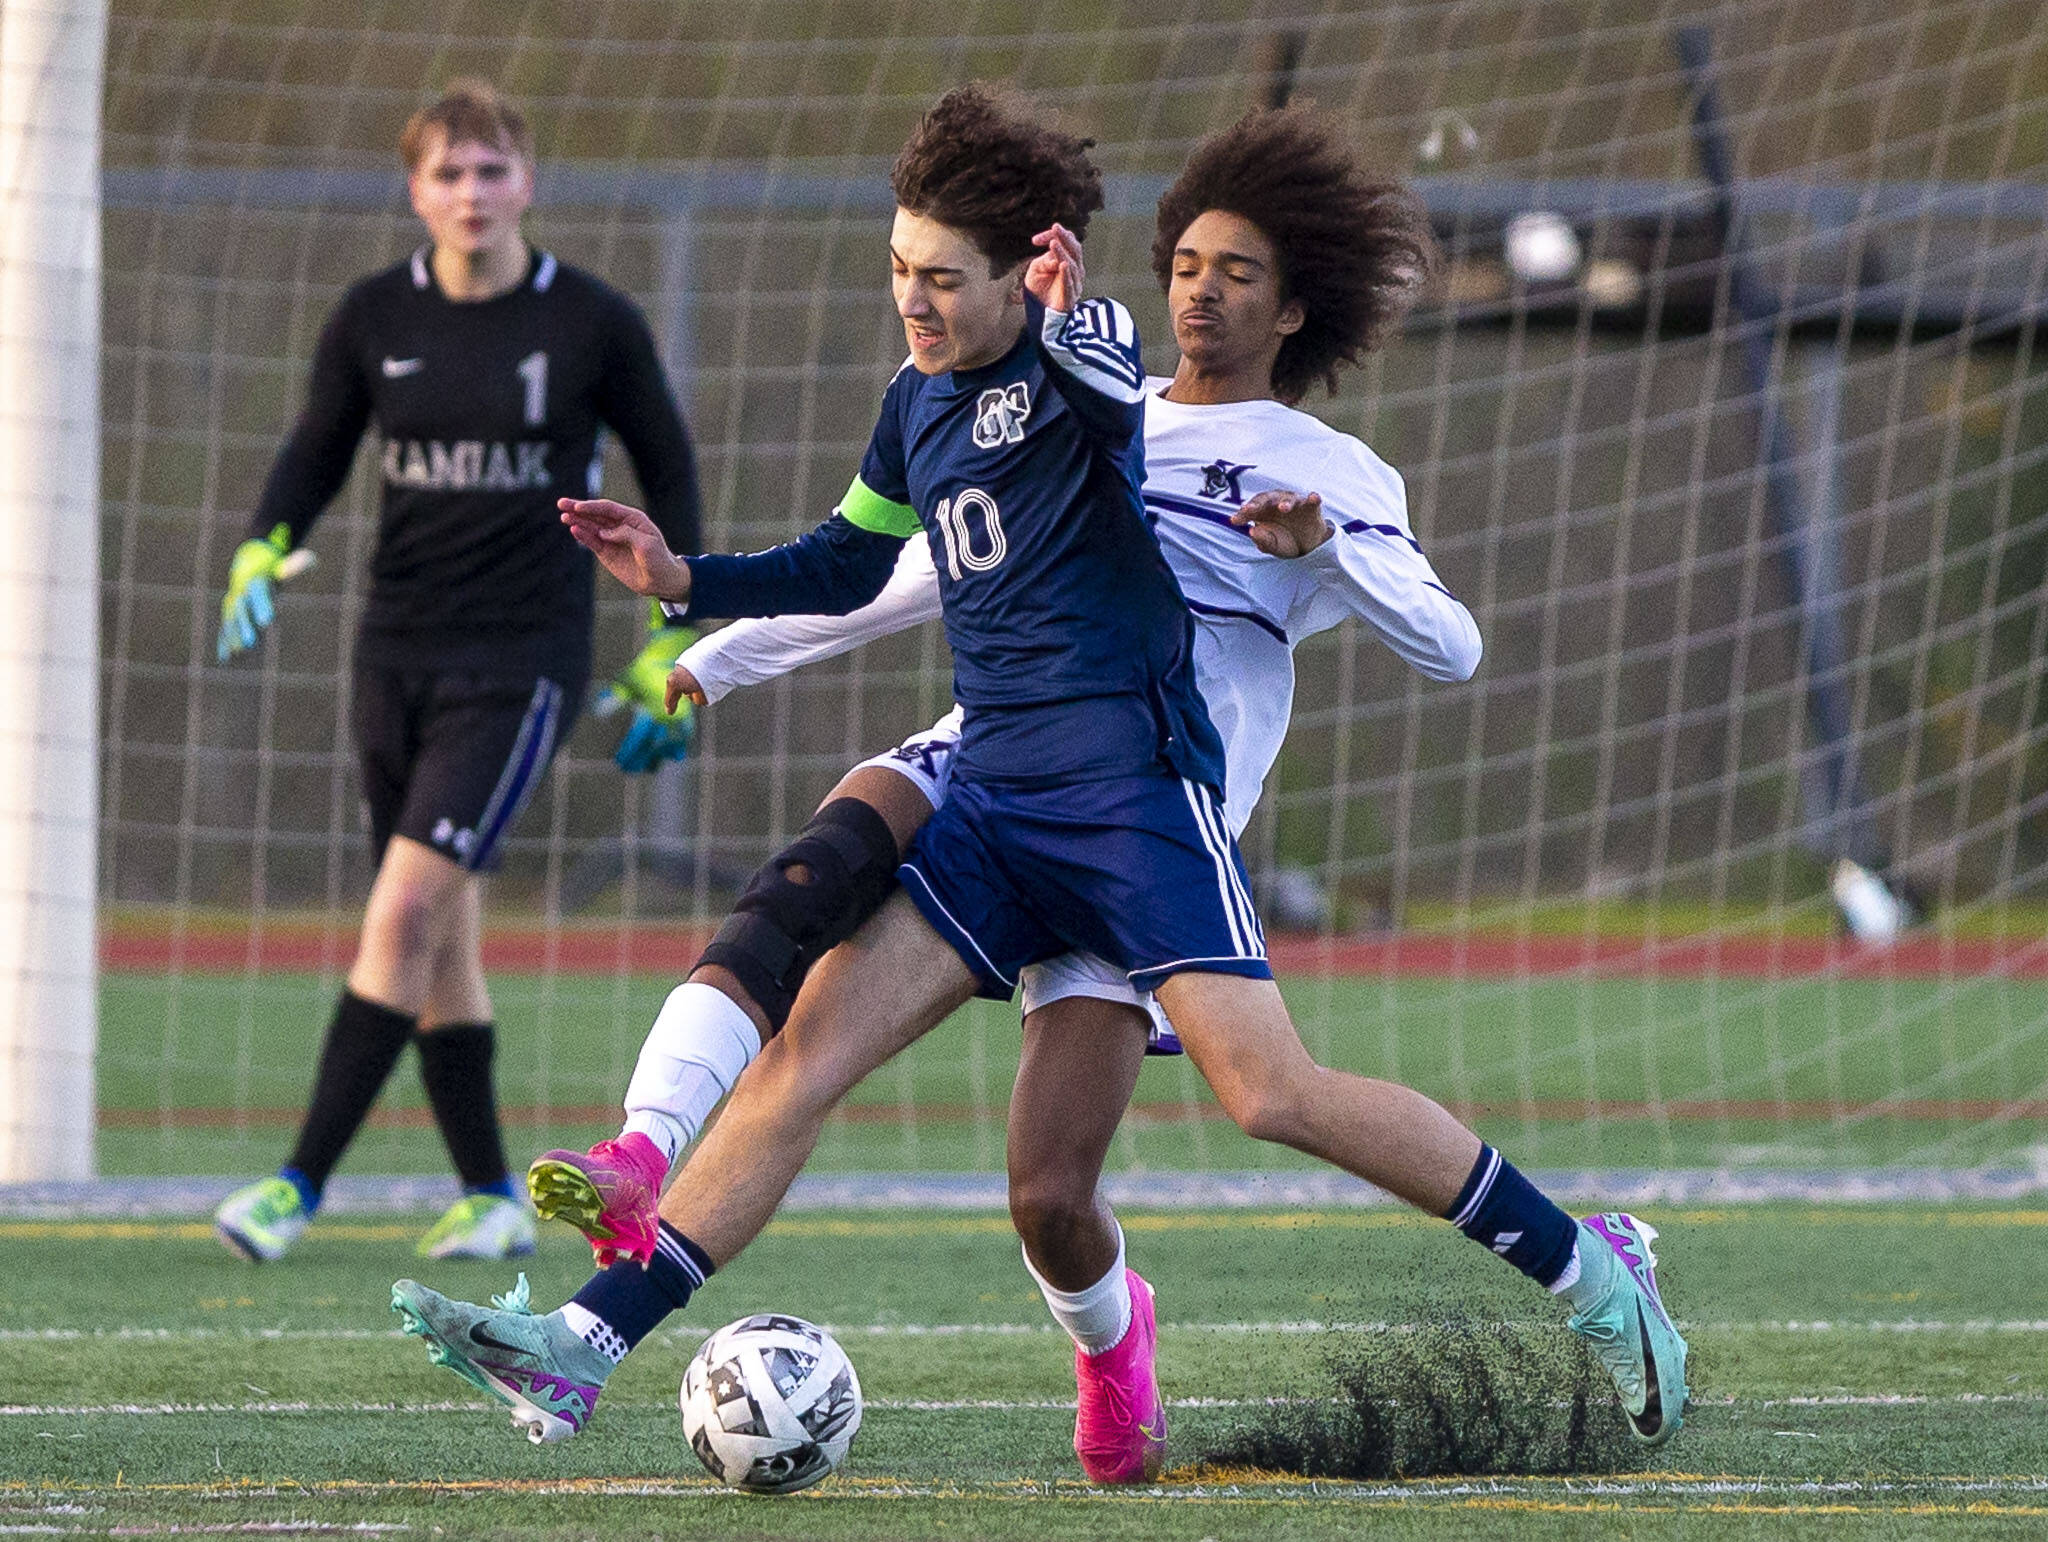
x=490, y=370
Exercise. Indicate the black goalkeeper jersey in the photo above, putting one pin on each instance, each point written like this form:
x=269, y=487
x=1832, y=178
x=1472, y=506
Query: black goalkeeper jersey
x=489, y=411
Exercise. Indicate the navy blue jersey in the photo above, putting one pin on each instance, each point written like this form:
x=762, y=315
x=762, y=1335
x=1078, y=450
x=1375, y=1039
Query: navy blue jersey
x=1072, y=647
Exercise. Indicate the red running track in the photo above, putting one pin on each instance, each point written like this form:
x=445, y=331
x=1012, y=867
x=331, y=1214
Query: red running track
x=670, y=951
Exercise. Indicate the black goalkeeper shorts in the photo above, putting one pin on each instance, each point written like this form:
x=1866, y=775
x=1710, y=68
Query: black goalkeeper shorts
x=450, y=757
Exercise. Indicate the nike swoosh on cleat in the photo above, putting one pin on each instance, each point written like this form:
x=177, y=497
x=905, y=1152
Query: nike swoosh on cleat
x=1651, y=1422
x=478, y=1336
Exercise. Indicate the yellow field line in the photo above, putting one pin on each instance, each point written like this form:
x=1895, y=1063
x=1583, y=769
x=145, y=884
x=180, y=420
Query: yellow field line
x=978, y=1225
x=1661, y=1495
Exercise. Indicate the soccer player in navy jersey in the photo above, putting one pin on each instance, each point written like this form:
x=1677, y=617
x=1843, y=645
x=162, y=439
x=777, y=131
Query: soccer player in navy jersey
x=1083, y=810
x=490, y=369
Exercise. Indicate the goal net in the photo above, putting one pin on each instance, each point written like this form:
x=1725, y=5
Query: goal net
x=1726, y=422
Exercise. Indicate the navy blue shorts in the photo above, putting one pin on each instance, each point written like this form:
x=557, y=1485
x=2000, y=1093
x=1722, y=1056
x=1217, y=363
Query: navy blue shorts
x=1140, y=870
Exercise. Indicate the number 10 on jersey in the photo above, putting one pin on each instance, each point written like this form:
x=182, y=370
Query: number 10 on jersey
x=969, y=551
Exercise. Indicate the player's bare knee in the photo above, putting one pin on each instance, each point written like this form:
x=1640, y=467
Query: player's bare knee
x=406, y=924
x=1268, y=1107
x=1050, y=1209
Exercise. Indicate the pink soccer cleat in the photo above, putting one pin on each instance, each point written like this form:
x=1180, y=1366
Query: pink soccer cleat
x=609, y=1193
x=1120, y=1426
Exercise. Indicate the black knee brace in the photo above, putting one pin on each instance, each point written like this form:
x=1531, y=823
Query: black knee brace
x=784, y=925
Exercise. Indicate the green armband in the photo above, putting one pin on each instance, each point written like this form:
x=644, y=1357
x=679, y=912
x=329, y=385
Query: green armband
x=871, y=511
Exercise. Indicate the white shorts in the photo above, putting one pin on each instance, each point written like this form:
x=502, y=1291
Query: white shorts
x=1083, y=974
x=926, y=759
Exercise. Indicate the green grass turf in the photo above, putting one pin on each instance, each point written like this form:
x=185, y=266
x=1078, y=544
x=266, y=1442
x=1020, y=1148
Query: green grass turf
x=1686, y=1072
x=1942, y=1310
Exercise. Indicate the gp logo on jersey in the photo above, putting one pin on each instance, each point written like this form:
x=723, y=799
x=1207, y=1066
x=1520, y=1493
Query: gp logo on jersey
x=999, y=415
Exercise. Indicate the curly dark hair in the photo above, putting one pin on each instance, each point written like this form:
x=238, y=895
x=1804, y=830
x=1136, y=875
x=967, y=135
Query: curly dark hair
x=1354, y=251
x=979, y=162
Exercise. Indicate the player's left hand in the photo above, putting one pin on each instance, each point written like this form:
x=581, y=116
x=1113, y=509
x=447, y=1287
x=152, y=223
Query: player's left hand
x=656, y=733
x=1284, y=524
x=1055, y=277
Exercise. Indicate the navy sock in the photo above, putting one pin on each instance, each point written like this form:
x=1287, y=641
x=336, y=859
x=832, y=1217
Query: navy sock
x=309, y=1195
x=504, y=1188
x=1500, y=1209
x=632, y=1301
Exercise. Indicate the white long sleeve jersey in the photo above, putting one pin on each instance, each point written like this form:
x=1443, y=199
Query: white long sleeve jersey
x=1201, y=464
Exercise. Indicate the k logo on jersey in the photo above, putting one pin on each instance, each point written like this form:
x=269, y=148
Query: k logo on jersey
x=1219, y=480
x=999, y=415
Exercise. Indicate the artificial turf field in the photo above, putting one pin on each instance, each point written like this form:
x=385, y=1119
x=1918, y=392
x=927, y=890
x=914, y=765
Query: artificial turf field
x=1858, y=1372
x=208, y=1073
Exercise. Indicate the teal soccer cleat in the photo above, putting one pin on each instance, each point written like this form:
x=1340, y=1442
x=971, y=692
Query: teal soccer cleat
x=1625, y=1322
x=532, y=1364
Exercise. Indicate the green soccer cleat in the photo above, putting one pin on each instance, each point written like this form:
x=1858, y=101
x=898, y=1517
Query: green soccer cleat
x=532, y=1364
x=262, y=1220
x=1625, y=1322
x=480, y=1226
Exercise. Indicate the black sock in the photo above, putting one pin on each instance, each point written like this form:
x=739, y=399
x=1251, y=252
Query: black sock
x=455, y=1068
x=363, y=1043
x=631, y=1301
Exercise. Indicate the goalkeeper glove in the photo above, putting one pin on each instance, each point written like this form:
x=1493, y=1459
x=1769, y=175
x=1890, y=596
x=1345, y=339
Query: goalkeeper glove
x=247, y=607
x=655, y=734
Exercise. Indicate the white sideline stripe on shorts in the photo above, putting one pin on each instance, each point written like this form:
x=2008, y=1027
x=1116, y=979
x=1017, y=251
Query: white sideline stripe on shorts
x=1216, y=834
x=1226, y=846
x=1236, y=904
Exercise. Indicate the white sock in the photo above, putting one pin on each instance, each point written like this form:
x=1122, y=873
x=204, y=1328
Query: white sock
x=594, y=1331
x=1562, y=1285
x=1098, y=1317
x=700, y=1042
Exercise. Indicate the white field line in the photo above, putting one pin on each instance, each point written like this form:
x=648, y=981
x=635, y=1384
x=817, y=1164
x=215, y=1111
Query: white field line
x=214, y=1528
x=1795, y=1326
x=944, y=1405
x=1562, y=1493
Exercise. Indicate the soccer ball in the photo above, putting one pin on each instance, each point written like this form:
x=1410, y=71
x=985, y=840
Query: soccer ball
x=770, y=1404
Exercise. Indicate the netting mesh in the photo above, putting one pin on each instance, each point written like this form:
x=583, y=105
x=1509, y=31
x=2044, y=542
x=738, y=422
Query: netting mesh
x=1585, y=896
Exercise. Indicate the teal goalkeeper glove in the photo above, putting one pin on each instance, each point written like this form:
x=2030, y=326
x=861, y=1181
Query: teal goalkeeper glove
x=655, y=734
x=247, y=608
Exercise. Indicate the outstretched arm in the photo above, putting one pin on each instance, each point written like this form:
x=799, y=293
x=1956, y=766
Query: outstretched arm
x=838, y=567
x=748, y=652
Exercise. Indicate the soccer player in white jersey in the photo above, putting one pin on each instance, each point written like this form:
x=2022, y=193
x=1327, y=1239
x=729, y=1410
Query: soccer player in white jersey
x=1230, y=281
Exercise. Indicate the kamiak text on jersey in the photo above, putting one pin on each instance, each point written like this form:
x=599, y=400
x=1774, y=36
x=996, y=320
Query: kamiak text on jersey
x=467, y=464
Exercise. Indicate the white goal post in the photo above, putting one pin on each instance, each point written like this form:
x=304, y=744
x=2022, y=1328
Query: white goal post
x=52, y=54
